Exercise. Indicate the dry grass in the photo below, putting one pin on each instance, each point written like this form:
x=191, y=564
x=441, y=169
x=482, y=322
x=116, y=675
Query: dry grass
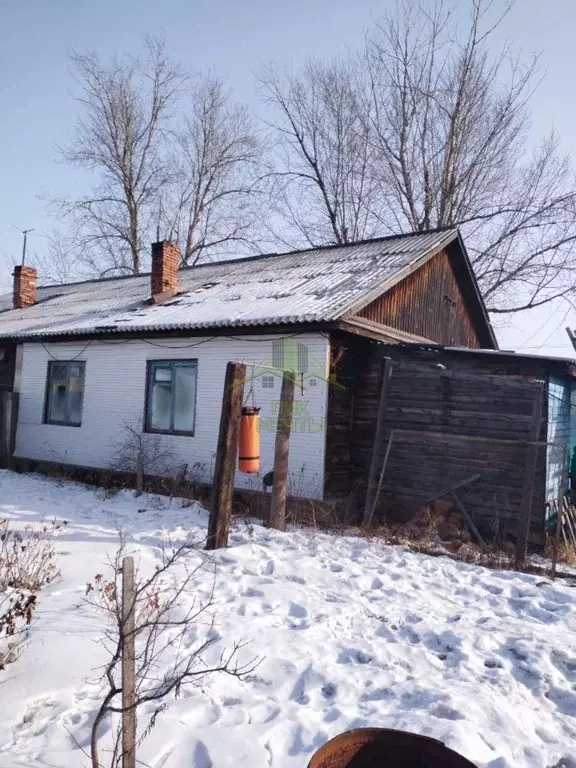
x=565, y=552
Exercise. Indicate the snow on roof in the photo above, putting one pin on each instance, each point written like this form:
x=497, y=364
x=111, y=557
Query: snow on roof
x=317, y=285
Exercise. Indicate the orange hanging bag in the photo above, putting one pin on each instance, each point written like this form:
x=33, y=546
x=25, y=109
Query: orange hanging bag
x=249, y=443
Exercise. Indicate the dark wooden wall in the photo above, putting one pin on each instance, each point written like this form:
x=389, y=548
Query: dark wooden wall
x=7, y=366
x=436, y=412
x=428, y=303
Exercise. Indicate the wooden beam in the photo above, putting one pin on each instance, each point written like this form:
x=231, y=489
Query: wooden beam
x=226, y=454
x=468, y=519
x=281, y=452
x=381, y=477
x=371, y=491
x=528, y=484
x=128, y=664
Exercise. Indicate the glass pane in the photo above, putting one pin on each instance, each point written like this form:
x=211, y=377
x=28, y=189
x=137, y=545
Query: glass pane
x=185, y=397
x=160, y=406
x=76, y=370
x=75, y=393
x=57, y=402
x=162, y=374
x=58, y=372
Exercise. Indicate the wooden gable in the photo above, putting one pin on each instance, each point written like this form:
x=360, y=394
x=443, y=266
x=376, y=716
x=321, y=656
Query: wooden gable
x=431, y=303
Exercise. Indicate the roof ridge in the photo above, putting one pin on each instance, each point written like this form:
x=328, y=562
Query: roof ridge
x=261, y=256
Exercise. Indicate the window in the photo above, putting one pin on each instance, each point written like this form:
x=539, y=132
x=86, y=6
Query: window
x=171, y=402
x=64, y=393
x=313, y=382
x=267, y=381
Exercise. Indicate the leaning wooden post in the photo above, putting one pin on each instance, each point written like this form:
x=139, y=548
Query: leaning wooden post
x=226, y=455
x=528, y=484
x=128, y=665
x=281, y=452
x=371, y=491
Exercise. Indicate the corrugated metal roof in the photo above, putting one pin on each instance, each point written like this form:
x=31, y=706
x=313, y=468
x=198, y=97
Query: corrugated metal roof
x=317, y=285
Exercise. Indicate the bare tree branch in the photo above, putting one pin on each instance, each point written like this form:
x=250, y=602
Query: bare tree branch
x=210, y=202
x=430, y=128
x=127, y=105
x=167, y=658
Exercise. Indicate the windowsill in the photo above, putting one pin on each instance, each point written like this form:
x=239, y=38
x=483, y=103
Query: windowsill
x=61, y=424
x=174, y=433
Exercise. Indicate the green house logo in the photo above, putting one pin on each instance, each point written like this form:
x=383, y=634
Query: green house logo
x=291, y=355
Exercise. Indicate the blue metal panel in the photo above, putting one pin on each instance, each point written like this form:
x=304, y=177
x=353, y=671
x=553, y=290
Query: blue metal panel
x=559, y=433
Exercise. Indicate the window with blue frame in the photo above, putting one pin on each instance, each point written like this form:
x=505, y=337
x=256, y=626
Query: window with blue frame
x=64, y=393
x=171, y=396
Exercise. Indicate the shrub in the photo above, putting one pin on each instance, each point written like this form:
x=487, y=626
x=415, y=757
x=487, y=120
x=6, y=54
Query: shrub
x=27, y=564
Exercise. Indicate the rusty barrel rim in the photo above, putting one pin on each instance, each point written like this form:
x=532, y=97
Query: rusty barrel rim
x=346, y=745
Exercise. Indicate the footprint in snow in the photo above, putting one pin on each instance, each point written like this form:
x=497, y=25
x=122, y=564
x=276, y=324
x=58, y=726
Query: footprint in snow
x=201, y=756
x=354, y=656
x=296, y=579
x=564, y=701
x=446, y=713
x=268, y=568
x=565, y=664
x=297, y=611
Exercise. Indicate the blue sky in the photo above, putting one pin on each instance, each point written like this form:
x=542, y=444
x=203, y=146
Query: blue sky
x=233, y=38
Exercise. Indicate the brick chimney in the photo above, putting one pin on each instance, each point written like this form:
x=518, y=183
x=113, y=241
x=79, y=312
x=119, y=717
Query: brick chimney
x=165, y=266
x=25, y=280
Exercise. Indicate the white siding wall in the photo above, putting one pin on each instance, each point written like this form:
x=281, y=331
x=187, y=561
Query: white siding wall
x=115, y=392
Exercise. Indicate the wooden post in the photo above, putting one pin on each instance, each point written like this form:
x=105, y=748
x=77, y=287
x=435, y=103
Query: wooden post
x=371, y=491
x=281, y=451
x=128, y=665
x=226, y=455
x=528, y=484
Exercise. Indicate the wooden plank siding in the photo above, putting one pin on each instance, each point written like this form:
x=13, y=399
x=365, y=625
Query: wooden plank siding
x=447, y=421
x=428, y=303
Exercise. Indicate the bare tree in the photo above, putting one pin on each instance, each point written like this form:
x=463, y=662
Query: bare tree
x=451, y=120
x=209, y=206
x=322, y=184
x=165, y=659
x=440, y=138
x=127, y=104
x=61, y=259
x=142, y=454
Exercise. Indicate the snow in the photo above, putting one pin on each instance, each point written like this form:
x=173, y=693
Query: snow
x=352, y=633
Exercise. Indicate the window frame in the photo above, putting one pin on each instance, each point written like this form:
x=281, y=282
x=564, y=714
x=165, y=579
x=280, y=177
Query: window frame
x=48, y=391
x=174, y=364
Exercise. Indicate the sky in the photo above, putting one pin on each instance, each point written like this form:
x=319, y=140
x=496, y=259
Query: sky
x=233, y=38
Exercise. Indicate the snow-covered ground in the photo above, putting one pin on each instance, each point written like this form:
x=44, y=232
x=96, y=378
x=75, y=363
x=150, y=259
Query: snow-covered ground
x=353, y=633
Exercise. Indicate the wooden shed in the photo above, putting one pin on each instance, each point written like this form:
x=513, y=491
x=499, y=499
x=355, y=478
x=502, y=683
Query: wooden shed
x=454, y=414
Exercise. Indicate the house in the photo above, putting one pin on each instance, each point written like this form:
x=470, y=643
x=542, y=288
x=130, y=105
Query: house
x=95, y=361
